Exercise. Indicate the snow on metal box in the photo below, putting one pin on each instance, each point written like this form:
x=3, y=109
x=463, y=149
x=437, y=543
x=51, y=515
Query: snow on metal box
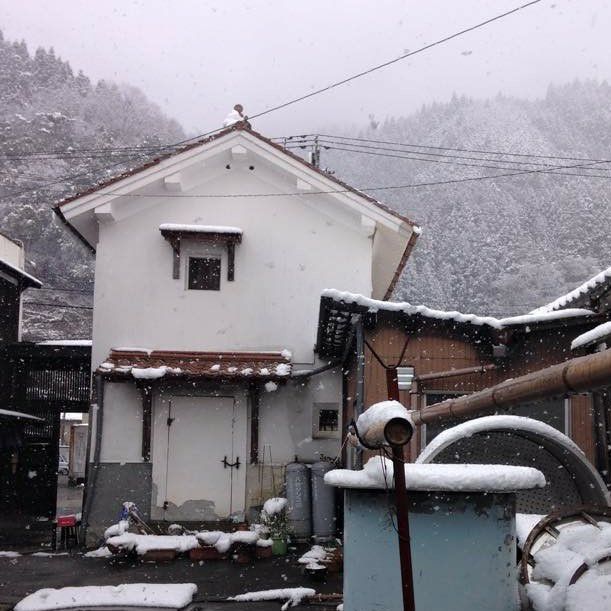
x=463, y=551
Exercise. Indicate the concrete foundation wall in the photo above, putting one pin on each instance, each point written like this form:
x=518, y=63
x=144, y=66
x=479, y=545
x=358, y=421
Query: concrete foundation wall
x=116, y=483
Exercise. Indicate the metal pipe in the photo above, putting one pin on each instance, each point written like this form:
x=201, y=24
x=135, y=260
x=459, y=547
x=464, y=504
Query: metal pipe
x=398, y=462
x=357, y=455
x=450, y=373
x=93, y=472
x=577, y=375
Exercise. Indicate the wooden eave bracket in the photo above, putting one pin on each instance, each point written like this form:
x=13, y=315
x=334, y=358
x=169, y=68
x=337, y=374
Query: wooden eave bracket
x=230, y=240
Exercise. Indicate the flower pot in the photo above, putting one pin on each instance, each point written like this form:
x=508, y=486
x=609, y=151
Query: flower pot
x=279, y=547
x=159, y=555
x=243, y=554
x=205, y=552
x=264, y=552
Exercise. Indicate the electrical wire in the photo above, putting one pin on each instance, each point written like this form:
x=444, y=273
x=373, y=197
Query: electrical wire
x=472, y=165
x=311, y=137
x=395, y=60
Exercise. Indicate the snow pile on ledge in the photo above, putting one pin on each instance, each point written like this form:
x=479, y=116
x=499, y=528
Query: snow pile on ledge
x=65, y=342
x=381, y=412
x=375, y=305
x=152, y=373
x=495, y=423
x=142, y=544
x=101, y=552
x=593, y=336
x=171, y=596
x=275, y=505
x=577, y=544
x=316, y=554
x=378, y=474
x=199, y=228
x=574, y=294
x=116, y=529
x=293, y=596
x=9, y=554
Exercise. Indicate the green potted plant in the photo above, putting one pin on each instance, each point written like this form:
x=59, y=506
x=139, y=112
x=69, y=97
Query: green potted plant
x=273, y=518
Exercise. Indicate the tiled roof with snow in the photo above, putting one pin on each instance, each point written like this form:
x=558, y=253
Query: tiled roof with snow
x=145, y=364
x=593, y=336
x=582, y=289
x=375, y=305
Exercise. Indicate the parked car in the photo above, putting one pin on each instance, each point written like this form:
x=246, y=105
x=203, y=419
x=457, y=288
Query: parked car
x=62, y=466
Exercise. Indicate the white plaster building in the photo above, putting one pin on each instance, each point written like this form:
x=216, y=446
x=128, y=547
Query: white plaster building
x=209, y=268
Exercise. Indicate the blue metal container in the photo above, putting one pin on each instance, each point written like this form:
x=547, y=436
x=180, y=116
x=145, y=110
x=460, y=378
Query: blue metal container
x=463, y=551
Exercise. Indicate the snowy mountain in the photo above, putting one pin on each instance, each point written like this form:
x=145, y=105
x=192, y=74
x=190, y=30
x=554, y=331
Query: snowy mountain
x=60, y=133
x=491, y=246
x=498, y=246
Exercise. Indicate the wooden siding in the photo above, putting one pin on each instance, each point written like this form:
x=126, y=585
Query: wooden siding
x=436, y=349
x=582, y=424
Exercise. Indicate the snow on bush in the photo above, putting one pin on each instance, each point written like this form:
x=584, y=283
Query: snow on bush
x=275, y=505
x=271, y=386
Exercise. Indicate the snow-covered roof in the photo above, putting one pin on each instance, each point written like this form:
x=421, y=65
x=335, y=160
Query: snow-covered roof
x=582, y=289
x=148, y=364
x=378, y=474
x=375, y=305
x=17, y=272
x=9, y=413
x=593, y=336
x=182, y=228
x=65, y=342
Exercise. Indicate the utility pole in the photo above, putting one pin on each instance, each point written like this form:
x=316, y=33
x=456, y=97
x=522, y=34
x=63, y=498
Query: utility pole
x=398, y=463
x=315, y=153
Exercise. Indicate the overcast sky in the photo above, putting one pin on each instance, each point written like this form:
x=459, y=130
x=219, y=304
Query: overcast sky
x=197, y=58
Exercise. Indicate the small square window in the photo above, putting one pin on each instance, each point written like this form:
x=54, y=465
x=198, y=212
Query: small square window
x=328, y=420
x=204, y=274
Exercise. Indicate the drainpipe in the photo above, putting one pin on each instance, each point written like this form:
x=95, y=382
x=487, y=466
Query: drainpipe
x=357, y=458
x=93, y=471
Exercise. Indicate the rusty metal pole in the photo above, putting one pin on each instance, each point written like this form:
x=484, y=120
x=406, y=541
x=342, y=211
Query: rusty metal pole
x=401, y=501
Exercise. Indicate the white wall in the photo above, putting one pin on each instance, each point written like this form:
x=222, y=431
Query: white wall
x=122, y=428
x=11, y=252
x=286, y=418
x=290, y=252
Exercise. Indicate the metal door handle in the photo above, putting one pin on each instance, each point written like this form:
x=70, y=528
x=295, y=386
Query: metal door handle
x=231, y=465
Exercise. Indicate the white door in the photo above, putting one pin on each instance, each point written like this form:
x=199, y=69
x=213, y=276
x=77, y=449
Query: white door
x=199, y=457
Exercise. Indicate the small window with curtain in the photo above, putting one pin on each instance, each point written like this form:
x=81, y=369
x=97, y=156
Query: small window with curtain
x=204, y=274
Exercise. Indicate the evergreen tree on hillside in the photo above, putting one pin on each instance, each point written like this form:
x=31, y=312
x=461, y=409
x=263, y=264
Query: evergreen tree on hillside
x=46, y=109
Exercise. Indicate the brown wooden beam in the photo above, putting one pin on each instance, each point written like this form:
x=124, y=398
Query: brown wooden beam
x=230, y=261
x=146, y=391
x=254, y=393
x=176, y=259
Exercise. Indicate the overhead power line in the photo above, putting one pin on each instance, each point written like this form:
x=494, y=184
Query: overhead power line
x=308, y=139
x=336, y=191
x=395, y=60
x=549, y=169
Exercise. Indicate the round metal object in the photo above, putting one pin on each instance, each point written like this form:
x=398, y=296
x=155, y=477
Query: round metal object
x=546, y=531
x=398, y=431
x=512, y=440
